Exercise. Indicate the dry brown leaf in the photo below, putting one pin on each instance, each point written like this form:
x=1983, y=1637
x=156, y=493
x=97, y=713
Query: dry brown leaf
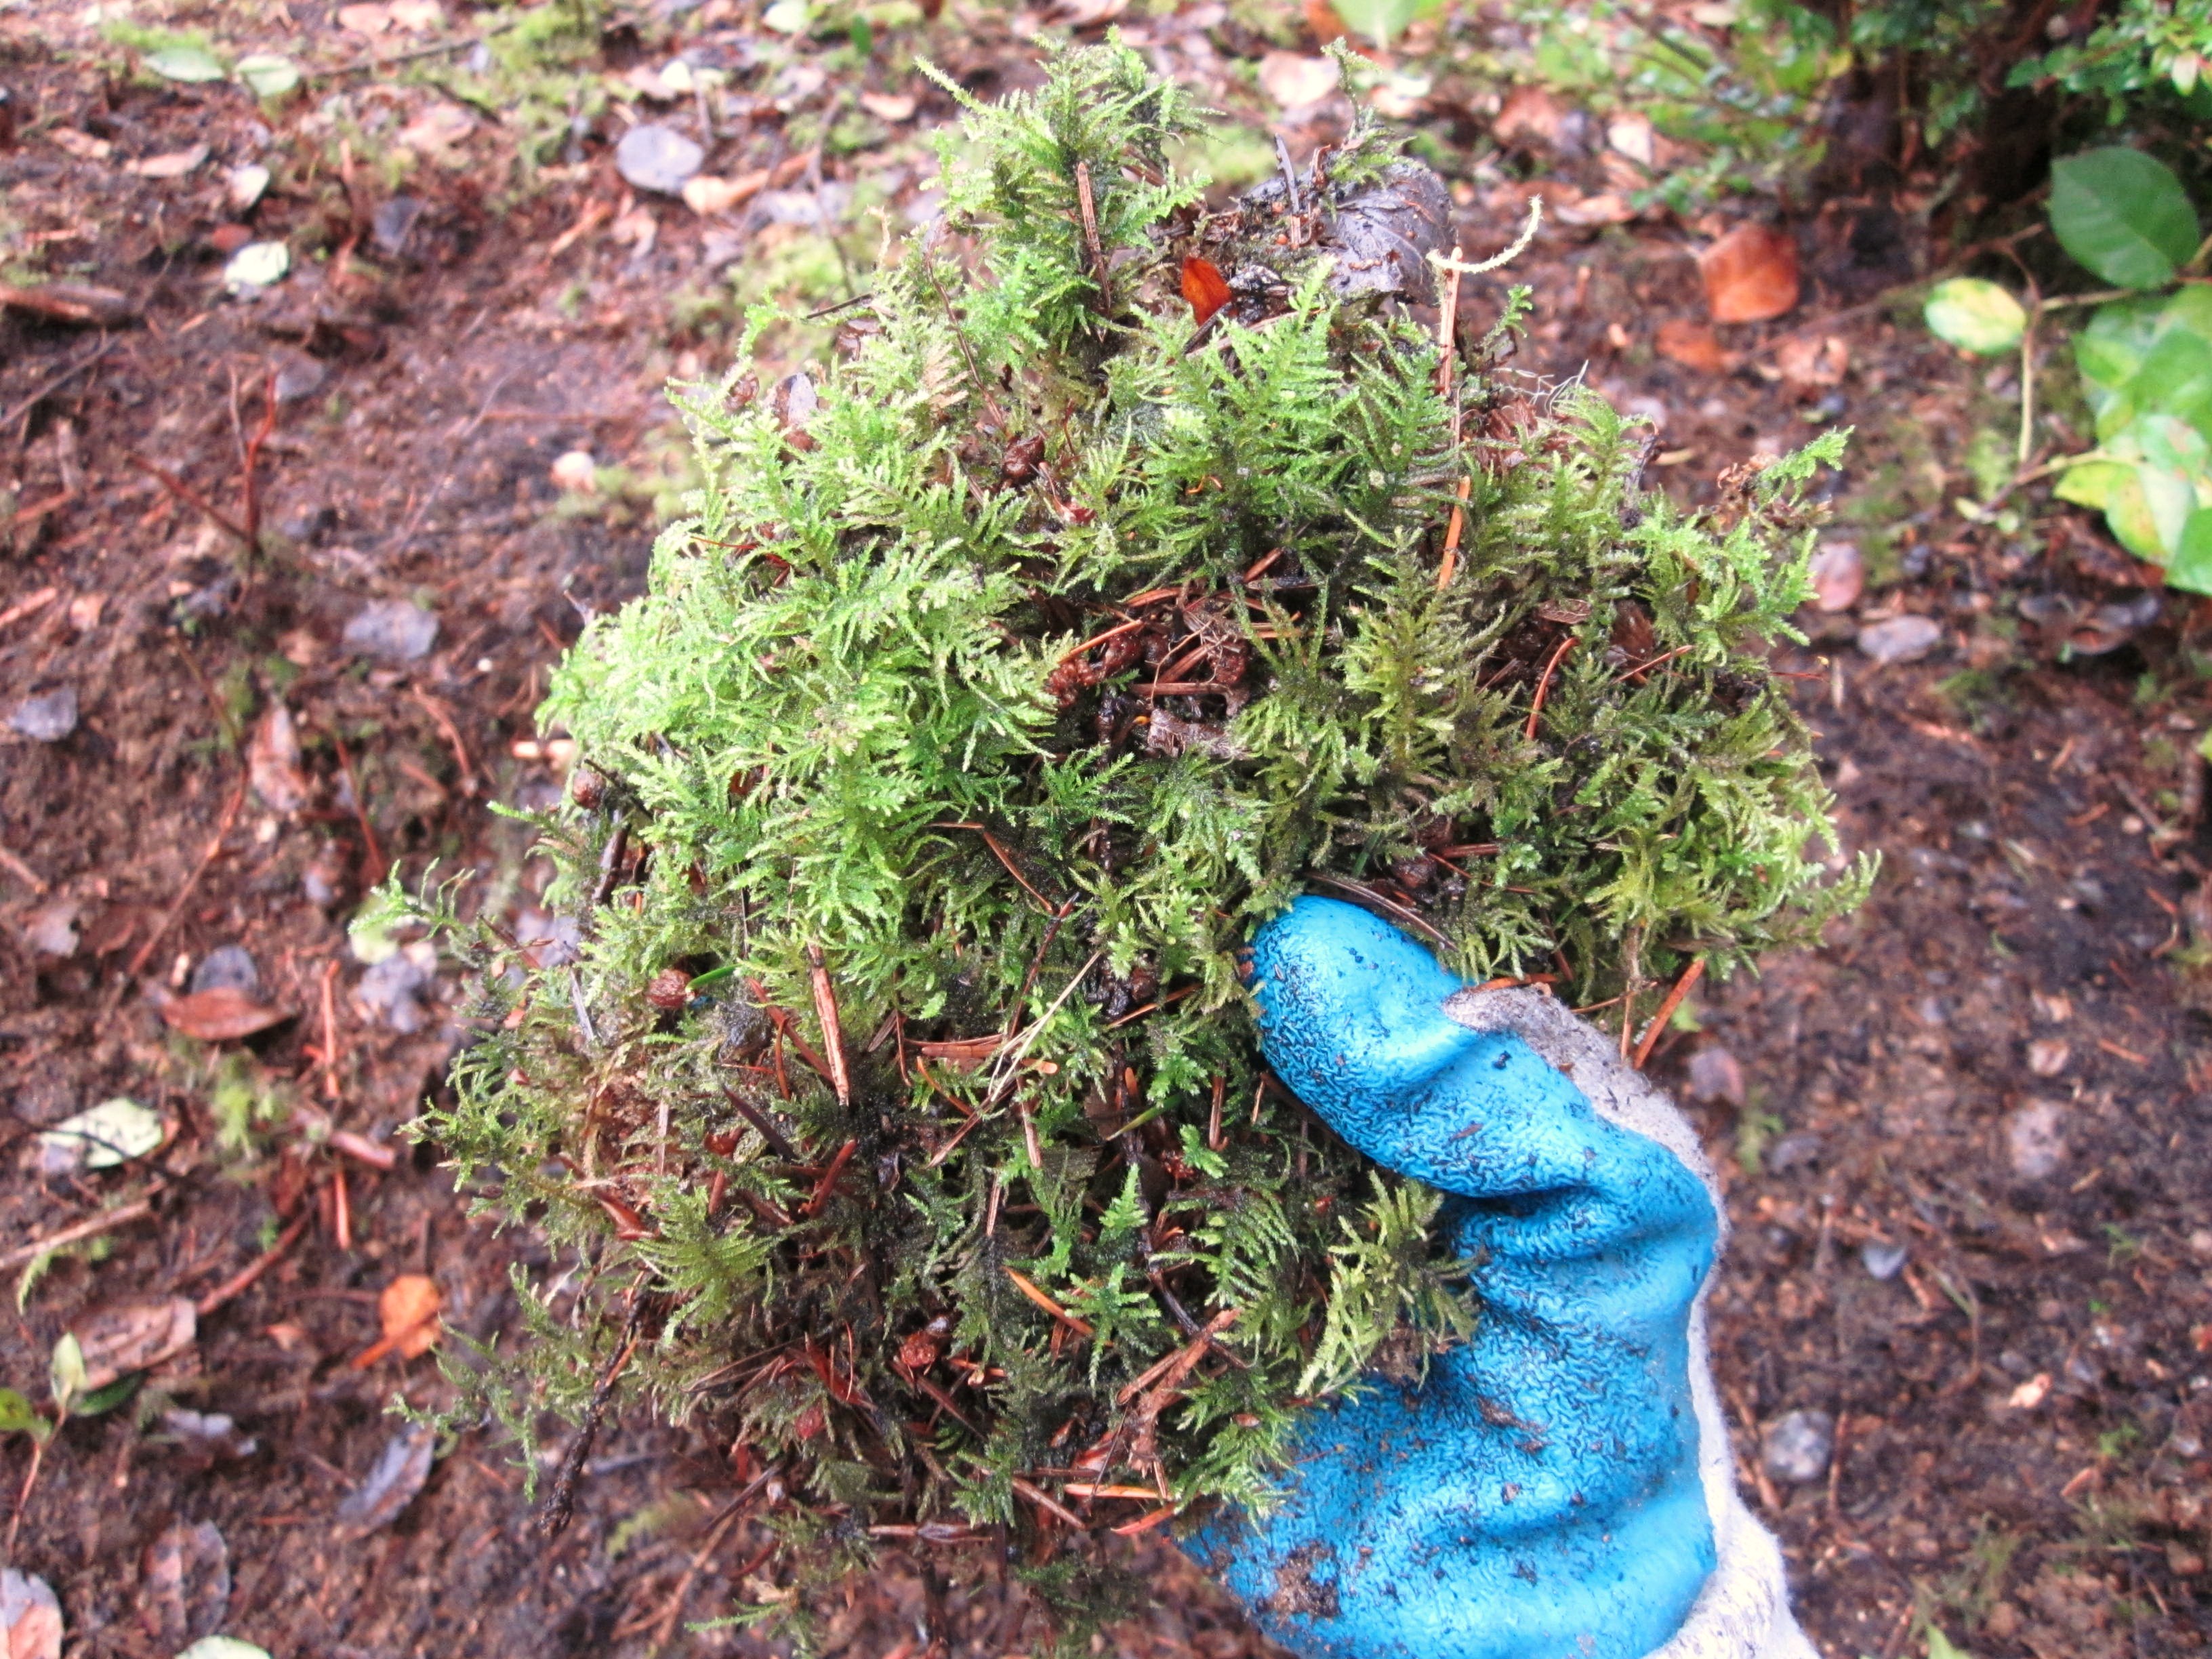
x=1806, y=361
x=174, y=165
x=1693, y=345
x=437, y=128
x=707, y=195
x=417, y=14
x=408, y=1310
x=891, y=106
x=1586, y=211
x=365, y=17
x=1751, y=274
x=130, y=1336
x=1293, y=79
x=272, y=761
x=184, y=1585
x=30, y=1618
x=391, y=1484
x=1322, y=20
x=1529, y=116
x=221, y=1013
x=82, y=145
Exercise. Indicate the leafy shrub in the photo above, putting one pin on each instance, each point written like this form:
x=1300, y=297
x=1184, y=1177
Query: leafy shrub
x=901, y=1102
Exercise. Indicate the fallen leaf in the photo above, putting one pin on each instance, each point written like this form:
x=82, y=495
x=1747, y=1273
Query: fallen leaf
x=1586, y=211
x=399, y=1471
x=257, y=265
x=1529, y=116
x=272, y=761
x=110, y=1134
x=266, y=74
x=30, y=1618
x=223, y=1647
x=1751, y=274
x=706, y=194
x=1205, y=288
x=408, y=1310
x=2047, y=1056
x=134, y=1335
x=365, y=17
x=222, y=1013
x=1631, y=135
x=186, y=62
x=1324, y=22
x=437, y=129
x=184, y=1583
x=1806, y=361
x=1693, y=345
x=417, y=14
x=174, y=165
x=891, y=106
x=82, y=145
x=1294, y=81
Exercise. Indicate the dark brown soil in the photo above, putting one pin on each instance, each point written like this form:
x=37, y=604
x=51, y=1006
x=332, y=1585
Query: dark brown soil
x=2019, y=1405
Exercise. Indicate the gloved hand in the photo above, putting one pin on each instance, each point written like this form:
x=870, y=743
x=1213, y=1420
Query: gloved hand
x=1559, y=1486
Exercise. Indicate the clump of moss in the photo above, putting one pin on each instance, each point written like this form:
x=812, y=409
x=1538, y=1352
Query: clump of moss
x=903, y=1098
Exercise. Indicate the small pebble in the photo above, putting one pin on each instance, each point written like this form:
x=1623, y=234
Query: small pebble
x=658, y=158
x=1839, y=575
x=1716, y=1074
x=1798, y=1446
x=1901, y=639
x=395, y=630
x=1799, y=1148
x=390, y=988
x=52, y=928
x=1882, y=1260
x=227, y=967
x=2035, y=1141
x=48, y=718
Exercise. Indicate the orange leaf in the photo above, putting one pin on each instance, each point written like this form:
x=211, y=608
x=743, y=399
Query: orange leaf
x=1751, y=274
x=1693, y=345
x=1204, y=287
x=409, y=1310
x=218, y=1014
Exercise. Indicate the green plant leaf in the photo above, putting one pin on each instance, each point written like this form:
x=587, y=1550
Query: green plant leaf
x=18, y=1416
x=1975, y=316
x=1382, y=21
x=65, y=1372
x=2190, y=568
x=2091, y=483
x=267, y=74
x=108, y=1134
x=107, y=1399
x=185, y=61
x=2124, y=215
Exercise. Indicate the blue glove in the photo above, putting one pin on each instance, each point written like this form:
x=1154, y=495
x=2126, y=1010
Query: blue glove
x=1559, y=1486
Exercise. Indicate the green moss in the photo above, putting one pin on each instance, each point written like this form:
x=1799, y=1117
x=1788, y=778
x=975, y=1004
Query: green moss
x=894, y=724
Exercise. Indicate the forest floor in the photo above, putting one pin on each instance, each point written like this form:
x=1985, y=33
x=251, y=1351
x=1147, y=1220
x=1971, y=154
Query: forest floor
x=1964, y=1326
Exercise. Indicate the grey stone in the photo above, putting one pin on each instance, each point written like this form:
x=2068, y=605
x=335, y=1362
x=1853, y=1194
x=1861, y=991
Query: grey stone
x=1798, y=1446
x=390, y=989
x=300, y=377
x=2035, y=1141
x=1795, y=1150
x=47, y=719
x=392, y=222
x=658, y=158
x=1901, y=639
x=394, y=630
x=52, y=928
x=228, y=967
x=1882, y=1260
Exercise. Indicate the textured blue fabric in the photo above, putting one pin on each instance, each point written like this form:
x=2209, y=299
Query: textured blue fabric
x=1538, y=1496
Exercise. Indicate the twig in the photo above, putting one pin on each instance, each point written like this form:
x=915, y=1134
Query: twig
x=107, y=1221
x=1544, y=686
x=176, y=906
x=250, y=457
x=611, y=858
x=561, y=1502
x=1691, y=975
x=1084, y=201
x=1008, y=1064
x=192, y=498
x=244, y=1278
x=37, y=602
x=1030, y=1288
x=778, y=1142
x=372, y=64
x=330, y=1054
x=374, y=871
x=54, y=383
x=1051, y=1506
x=443, y=719
x=23, y=871
x=832, y=1028
x=23, y=1493
x=1447, y=359
x=1404, y=915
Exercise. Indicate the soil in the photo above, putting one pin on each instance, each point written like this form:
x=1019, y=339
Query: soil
x=1966, y=1142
